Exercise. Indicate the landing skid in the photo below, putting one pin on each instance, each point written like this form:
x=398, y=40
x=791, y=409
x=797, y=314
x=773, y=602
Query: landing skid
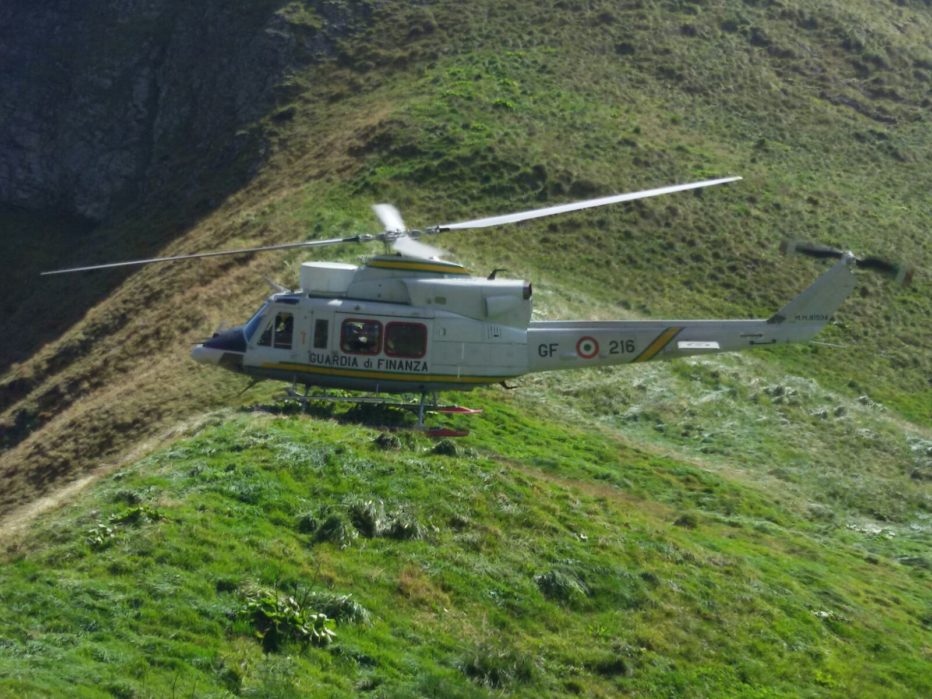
x=420, y=407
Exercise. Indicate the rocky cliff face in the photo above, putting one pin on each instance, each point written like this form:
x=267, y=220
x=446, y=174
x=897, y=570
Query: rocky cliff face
x=103, y=103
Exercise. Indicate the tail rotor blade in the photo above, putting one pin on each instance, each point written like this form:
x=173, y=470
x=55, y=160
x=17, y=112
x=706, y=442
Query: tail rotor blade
x=810, y=249
x=902, y=274
x=879, y=265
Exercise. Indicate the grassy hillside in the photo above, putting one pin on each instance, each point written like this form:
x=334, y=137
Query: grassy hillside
x=552, y=561
x=536, y=560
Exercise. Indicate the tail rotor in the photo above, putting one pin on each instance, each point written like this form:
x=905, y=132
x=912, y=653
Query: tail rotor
x=900, y=273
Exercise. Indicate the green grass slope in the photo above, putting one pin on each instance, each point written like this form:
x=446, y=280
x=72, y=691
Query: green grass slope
x=536, y=560
x=747, y=525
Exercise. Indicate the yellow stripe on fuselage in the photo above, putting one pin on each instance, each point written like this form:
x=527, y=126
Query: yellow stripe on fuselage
x=409, y=266
x=661, y=341
x=383, y=375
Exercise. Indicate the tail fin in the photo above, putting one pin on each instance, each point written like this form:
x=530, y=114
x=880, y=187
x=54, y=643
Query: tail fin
x=814, y=306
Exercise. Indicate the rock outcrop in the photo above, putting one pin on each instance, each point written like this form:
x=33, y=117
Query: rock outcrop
x=104, y=103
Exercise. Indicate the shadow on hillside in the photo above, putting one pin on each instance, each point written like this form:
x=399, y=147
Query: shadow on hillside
x=364, y=415
x=35, y=309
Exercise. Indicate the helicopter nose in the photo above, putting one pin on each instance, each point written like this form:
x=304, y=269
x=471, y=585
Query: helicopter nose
x=230, y=340
x=217, y=356
x=206, y=355
x=225, y=349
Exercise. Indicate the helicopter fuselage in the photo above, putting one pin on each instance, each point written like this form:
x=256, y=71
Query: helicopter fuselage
x=395, y=325
x=408, y=325
x=371, y=346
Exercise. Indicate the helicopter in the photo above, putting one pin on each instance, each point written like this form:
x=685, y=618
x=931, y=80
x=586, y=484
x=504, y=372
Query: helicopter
x=408, y=322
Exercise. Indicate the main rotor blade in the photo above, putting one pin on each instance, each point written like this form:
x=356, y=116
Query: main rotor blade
x=579, y=205
x=390, y=217
x=241, y=251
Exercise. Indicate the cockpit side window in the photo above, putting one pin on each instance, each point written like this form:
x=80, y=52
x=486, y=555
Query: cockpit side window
x=266, y=339
x=279, y=332
x=253, y=325
x=284, y=329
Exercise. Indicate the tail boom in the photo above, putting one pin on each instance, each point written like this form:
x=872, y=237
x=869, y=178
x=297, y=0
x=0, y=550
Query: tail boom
x=556, y=345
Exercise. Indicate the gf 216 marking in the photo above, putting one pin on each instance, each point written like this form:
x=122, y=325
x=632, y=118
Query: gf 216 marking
x=621, y=346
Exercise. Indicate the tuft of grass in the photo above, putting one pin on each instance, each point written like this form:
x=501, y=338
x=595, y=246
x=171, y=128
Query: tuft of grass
x=136, y=515
x=335, y=530
x=307, y=523
x=404, y=526
x=562, y=586
x=339, y=607
x=492, y=665
x=445, y=447
x=371, y=520
x=688, y=520
x=387, y=440
x=368, y=516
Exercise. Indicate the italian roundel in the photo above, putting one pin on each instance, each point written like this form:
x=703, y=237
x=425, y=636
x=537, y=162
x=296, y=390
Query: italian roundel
x=587, y=347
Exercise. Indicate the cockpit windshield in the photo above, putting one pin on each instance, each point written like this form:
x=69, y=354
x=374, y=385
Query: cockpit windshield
x=250, y=328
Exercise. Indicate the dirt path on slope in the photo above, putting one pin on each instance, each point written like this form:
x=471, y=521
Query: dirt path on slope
x=15, y=523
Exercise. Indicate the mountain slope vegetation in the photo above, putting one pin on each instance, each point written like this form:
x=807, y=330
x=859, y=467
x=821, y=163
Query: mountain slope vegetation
x=546, y=560
x=753, y=525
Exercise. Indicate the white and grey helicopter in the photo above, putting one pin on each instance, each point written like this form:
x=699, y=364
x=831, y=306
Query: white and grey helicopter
x=411, y=323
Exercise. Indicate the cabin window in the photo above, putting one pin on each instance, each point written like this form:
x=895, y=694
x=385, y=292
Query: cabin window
x=361, y=336
x=284, y=329
x=320, y=333
x=279, y=333
x=405, y=340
